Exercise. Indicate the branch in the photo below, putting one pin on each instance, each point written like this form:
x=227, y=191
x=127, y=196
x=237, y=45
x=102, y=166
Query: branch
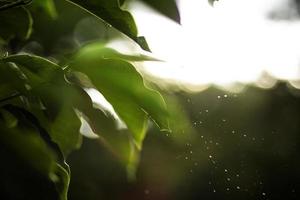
x=15, y=4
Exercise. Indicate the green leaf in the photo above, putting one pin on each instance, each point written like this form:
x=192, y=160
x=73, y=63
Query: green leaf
x=63, y=181
x=119, y=142
x=110, y=11
x=106, y=52
x=15, y=23
x=123, y=87
x=26, y=140
x=48, y=6
x=122, y=2
x=211, y=2
x=34, y=151
x=47, y=82
x=166, y=7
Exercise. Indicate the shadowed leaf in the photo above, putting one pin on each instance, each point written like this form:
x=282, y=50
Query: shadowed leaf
x=15, y=23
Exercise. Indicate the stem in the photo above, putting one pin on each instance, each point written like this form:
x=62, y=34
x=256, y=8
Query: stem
x=15, y=4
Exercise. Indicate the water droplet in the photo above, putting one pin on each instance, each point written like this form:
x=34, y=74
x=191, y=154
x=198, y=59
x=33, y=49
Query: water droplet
x=226, y=170
x=214, y=191
x=245, y=135
x=206, y=111
x=233, y=131
x=217, y=143
x=264, y=194
x=227, y=189
x=238, y=187
x=219, y=97
x=186, y=157
x=225, y=95
x=196, y=164
x=191, y=152
x=202, y=136
x=237, y=175
x=228, y=179
x=210, y=156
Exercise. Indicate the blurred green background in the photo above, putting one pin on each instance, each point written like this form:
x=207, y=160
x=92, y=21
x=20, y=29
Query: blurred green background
x=234, y=146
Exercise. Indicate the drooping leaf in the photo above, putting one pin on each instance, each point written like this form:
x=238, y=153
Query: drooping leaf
x=63, y=181
x=15, y=23
x=124, y=88
x=110, y=11
x=47, y=82
x=166, y=7
x=106, y=52
x=29, y=147
x=119, y=142
x=25, y=140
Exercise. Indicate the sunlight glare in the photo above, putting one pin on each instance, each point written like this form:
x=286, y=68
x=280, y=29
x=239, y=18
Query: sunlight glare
x=233, y=41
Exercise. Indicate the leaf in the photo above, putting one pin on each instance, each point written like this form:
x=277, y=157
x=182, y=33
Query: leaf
x=47, y=82
x=106, y=52
x=34, y=151
x=48, y=6
x=119, y=142
x=166, y=7
x=122, y=2
x=124, y=88
x=62, y=184
x=211, y=2
x=110, y=11
x=11, y=80
x=23, y=139
x=15, y=23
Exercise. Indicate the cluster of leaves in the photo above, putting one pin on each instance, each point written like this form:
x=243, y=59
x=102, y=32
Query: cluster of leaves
x=43, y=96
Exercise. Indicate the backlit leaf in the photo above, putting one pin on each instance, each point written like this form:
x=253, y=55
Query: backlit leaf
x=110, y=11
x=123, y=87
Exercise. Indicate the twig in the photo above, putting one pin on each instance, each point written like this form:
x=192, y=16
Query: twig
x=15, y=4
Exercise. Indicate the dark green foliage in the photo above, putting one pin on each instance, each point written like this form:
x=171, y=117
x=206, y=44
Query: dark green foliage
x=44, y=74
x=12, y=30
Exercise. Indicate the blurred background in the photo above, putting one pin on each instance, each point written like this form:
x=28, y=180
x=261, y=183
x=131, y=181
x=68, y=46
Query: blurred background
x=231, y=78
